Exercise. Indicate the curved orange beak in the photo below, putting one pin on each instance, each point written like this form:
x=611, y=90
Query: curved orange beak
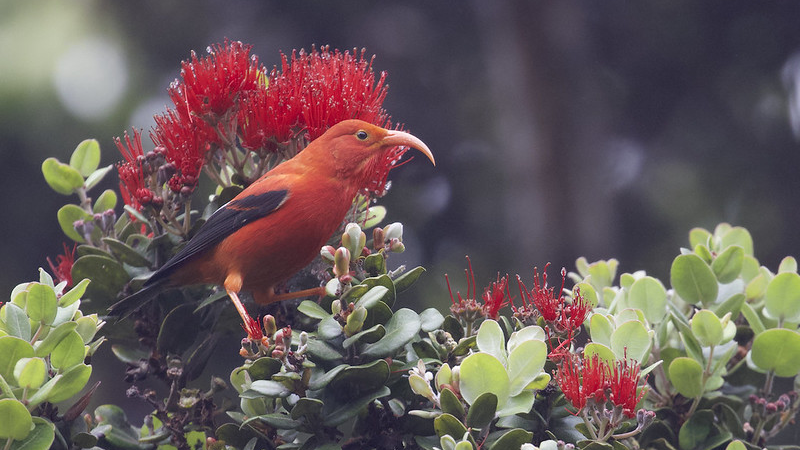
x=396, y=138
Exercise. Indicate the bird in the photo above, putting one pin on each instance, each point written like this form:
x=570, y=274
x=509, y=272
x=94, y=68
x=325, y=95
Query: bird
x=277, y=225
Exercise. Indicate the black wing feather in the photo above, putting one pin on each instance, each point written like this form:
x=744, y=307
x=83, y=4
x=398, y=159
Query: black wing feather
x=225, y=221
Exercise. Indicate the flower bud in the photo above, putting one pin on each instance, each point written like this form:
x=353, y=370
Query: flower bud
x=378, y=238
x=341, y=262
x=269, y=325
x=353, y=238
x=336, y=306
x=396, y=246
x=355, y=321
x=393, y=231
x=327, y=253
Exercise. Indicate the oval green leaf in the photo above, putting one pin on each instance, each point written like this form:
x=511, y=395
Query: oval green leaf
x=631, y=340
x=650, y=296
x=707, y=328
x=686, y=376
x=12, y=349
x=777, y=350
x=69, y=352
x=42, y=304
x=17, y=422
x=61, y=177
x=782, y=299
x=728, y=265
x=481, y=373
x=86, y=157
x=693, y=279
x=401, y=328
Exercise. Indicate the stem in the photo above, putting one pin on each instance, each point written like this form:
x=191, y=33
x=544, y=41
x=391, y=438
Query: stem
x=187, y=217
x=86, y=202
x=8, y=444
x=695, y=403
x=768, y=383
x=38, y=332
x=588, y=424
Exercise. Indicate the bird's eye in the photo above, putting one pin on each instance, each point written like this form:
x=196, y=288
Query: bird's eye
x=361, y=135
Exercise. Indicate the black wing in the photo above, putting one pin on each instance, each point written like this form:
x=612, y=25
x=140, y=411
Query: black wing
x=225, y=221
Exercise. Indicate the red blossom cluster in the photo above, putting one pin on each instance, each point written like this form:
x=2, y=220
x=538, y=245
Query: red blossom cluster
x=229, y=114
x=562, y=316
x=495, y=296
x=62, y=268
x=594, y=381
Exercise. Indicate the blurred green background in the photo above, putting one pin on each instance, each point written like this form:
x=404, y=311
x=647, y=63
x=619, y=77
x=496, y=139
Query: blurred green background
x=561, y=129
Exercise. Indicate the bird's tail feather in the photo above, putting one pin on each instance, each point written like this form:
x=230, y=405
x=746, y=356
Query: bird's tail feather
x=131, y=303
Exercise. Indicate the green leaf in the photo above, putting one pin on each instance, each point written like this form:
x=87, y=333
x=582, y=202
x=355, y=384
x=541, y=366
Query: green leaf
x=451, y=404
x=782, y=299
x=491, y=340
x=61, y=177
x=310, y=408
x=482, y=411
x=375, y=264
x=313, y=310
x=407, y=279
x=707, y=328
x=30, y=372
x=268, y=388
x=86, y=157
x=42, y=304
x=738, y=236
x=788, y=264
x=449, y=425
x=401, y=328
x=631, y=340
x=97, y=176
x=72, y=381
x=344, y=411
x=321, y=350
x=16, y=322
x=600, y=329
x=777, y=350
x=41, y=437
x=74, y=294
x=12, y=349
x=698, y=236
x=525, y=363
x=69, y=352
x=16, y=423
x=431, y=319
x=67, y=216
x=329, y=328
x=354, y=380
x=481, y=373
x=120, y=434
x=107, y=275
x=368, y=336
x=126, y=253
x=512, y=439
x=686, y=375
x=696, y=429
x=649, y=295
x=693, y=280
x=602, y=352
x=371, y=297
x=178, y=330
x=728, y=265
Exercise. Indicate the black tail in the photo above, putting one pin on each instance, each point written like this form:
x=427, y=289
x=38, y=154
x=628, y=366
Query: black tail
x=131, y=303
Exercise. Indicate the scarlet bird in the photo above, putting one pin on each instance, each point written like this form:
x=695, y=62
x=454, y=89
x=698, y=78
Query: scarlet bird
x=277, y=225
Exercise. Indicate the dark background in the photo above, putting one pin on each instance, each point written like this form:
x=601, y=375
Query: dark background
x=562, y=128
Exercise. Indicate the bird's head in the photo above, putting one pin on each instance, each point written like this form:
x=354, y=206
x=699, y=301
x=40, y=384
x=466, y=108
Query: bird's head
x=364, y=153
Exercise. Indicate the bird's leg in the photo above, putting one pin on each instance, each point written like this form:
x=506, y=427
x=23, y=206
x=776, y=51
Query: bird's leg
x=233, y=284
x=270, y=296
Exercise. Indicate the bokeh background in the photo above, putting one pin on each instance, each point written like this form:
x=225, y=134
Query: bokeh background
x=561, y=128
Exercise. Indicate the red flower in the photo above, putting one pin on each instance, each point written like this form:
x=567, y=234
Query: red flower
x=212, y=85
x=62, y=269
x=308, y=94
x=580, y=381
x=600, y=381
x=253, y=329
x=542, y=296
x=132, y=185
x=186, y=141
x=495, y=297
x=624, y=384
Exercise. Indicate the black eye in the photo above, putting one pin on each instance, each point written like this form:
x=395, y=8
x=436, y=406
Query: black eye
x=361, y=135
